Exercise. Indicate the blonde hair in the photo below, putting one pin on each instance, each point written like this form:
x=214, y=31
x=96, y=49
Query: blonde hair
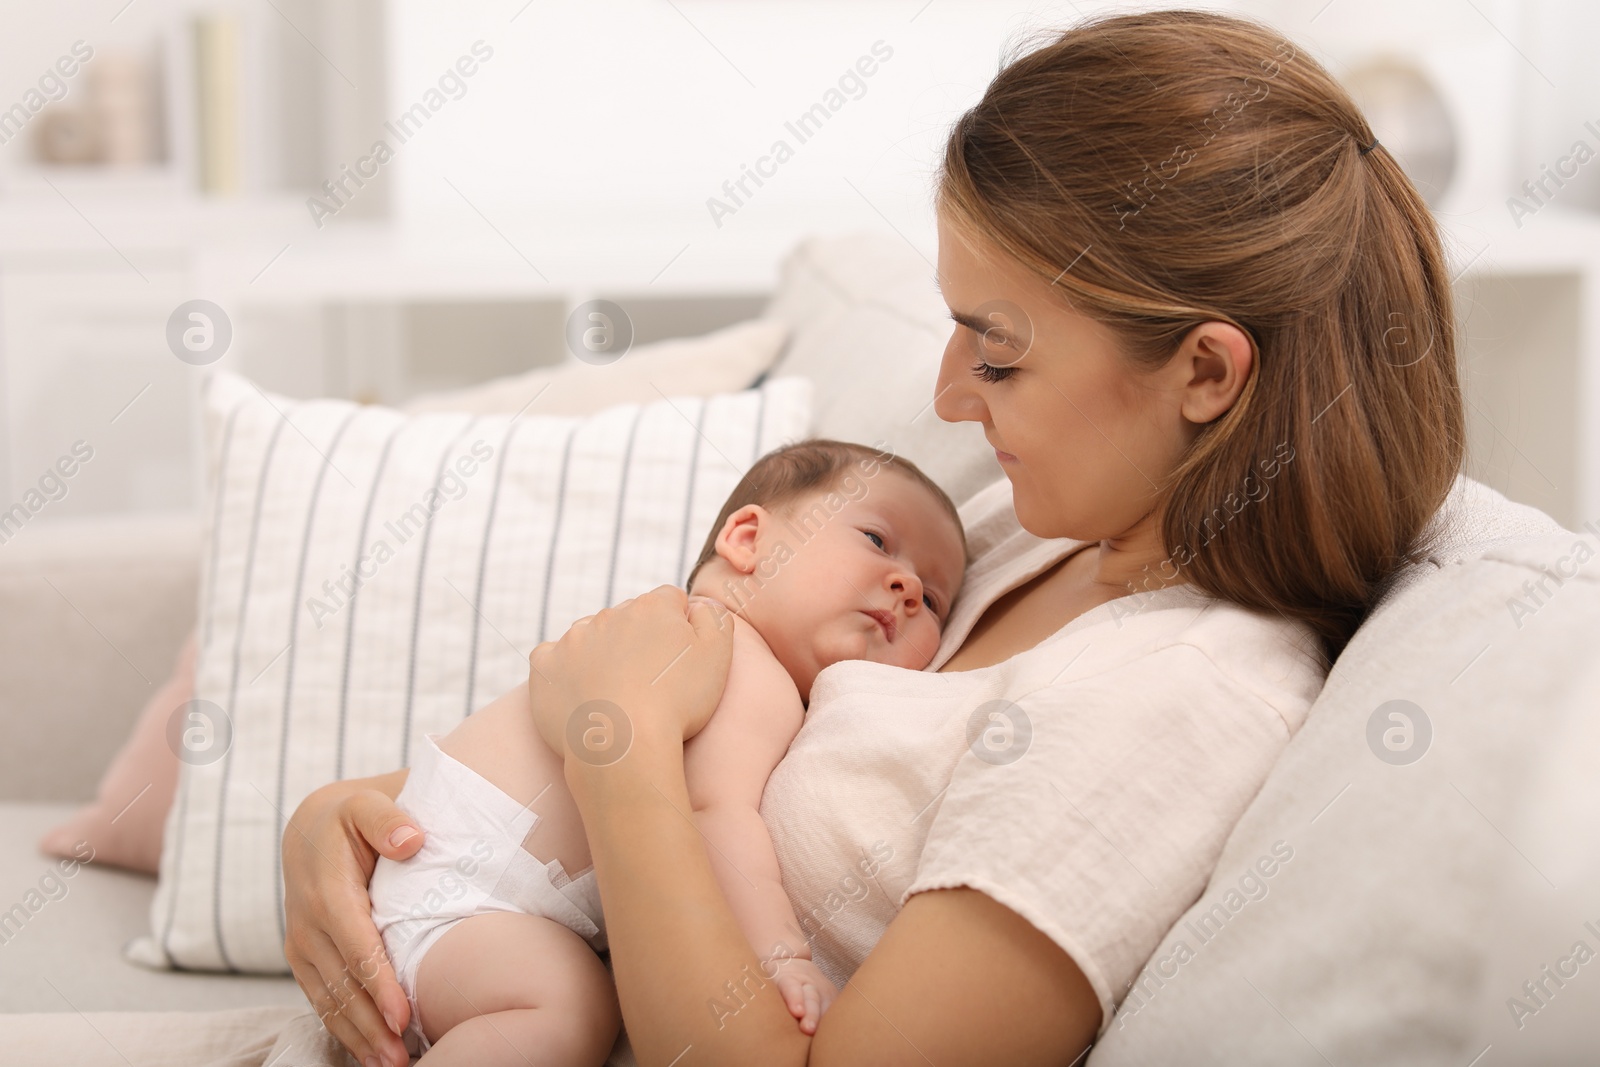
x=1170, y=168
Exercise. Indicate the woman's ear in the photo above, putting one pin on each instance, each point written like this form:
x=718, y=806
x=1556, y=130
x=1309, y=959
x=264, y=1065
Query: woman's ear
x=737, y=540
x=1213, y=364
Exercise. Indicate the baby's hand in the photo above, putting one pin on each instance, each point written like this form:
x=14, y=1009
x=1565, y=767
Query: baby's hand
x=805, y=990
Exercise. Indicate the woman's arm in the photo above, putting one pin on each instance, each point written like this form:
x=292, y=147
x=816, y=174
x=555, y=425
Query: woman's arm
x=330, y=846
x=957, y=978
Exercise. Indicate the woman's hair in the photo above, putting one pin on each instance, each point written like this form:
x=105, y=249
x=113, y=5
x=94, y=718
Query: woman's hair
x=1170, y=168
x=816, y=465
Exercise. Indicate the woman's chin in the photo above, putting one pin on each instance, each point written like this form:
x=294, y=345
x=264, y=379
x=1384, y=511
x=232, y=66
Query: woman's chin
x=1023, y=504
x=1040, y=521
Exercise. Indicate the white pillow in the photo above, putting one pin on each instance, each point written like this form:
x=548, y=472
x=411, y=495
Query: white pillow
x=1396, y=879
x=479, y=536
x=722, y=361
x=869, y=331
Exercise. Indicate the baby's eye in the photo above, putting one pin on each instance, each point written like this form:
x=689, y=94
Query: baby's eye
x=928, y=600
x=877, y=539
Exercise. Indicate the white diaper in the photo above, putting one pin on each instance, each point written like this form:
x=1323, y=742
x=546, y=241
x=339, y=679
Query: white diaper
x=471, y=862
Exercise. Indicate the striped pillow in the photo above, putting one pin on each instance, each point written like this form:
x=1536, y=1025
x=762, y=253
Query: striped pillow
x=372, y=576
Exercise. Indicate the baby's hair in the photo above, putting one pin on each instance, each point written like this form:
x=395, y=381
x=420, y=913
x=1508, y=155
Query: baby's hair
x=814, y=465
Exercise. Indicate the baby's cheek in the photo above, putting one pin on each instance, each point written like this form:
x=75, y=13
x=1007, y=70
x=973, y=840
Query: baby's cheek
x=922, y=645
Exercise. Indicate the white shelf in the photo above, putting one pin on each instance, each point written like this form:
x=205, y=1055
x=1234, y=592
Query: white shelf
x=1552, y=241
x=1532, y=344
x=95, y=217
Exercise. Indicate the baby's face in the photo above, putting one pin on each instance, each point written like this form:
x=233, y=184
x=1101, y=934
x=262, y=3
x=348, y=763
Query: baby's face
x=865, y=571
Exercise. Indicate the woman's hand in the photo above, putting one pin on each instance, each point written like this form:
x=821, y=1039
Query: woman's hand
x=655, y=663
x=330, y=846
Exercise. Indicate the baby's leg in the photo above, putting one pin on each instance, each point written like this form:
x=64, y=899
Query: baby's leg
x=507, y=988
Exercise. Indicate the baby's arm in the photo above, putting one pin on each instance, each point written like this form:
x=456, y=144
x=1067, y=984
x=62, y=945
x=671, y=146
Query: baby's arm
x=726, y=766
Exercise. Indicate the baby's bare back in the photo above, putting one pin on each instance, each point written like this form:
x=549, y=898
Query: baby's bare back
x=733, y=756
x=726, y=767
x=500, y=742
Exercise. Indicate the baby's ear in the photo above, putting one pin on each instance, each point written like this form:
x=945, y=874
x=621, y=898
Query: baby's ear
x=736, y=541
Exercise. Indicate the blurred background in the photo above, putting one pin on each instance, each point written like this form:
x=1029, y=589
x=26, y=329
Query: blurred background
x=384, y=198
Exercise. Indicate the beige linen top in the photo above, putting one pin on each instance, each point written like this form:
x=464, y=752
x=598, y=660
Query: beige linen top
x=1088, y=783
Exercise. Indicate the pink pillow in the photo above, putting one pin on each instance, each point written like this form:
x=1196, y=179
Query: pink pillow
x=125, y=824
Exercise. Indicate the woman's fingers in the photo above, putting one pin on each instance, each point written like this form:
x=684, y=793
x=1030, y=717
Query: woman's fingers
x=707, y=615
x=386, y=827
x=366, y=974
x=330, y=847
x=649, y=657
x=704, y=674
x=324, y=973
x=347, y=1011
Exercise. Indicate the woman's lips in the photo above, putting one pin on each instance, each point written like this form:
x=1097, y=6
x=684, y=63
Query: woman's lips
x=885, y=620
x=1002, y=456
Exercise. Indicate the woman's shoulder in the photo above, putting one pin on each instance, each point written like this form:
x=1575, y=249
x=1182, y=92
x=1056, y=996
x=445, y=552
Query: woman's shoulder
x=1264, y=653
x=1277, y=658
x=1180, y=642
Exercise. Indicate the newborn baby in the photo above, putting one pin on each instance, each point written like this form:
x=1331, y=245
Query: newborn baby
x=825, y=551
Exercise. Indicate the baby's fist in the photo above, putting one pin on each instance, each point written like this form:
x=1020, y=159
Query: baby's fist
x=805, y=990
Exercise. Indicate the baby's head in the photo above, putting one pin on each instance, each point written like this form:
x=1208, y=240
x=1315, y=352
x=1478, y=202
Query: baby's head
x=836, y=551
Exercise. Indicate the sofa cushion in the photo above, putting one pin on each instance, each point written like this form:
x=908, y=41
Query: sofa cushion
x=1545, y=927
x=1352, y=916
x=96, y=609
x=62, y=952
x=1473, y=518
x=869, y=332
x=723, y=361
x=125, y=821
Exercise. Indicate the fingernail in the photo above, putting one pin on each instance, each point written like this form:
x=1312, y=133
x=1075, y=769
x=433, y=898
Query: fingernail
x=398, y=838
x=372, y=1061
x=394, y=1027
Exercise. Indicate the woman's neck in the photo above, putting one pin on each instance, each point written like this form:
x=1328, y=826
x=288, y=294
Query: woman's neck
x=1133, y=562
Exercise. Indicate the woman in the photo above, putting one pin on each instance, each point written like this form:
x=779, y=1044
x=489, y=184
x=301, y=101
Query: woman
x=1205, y=322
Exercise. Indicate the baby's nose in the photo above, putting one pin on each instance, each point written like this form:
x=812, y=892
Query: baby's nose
x=909, y=588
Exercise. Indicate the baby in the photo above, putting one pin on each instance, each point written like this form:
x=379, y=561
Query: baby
x=825, y=551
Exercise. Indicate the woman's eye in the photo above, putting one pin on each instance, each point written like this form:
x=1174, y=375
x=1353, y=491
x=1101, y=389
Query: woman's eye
x=877, y=539
x=990, y=373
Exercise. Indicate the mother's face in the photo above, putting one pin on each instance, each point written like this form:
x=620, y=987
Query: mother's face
x=1091, y=438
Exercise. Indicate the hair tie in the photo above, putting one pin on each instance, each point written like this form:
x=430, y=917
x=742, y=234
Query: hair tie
x=1370, y=147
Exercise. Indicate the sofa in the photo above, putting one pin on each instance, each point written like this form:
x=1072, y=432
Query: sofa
x=1418, y=881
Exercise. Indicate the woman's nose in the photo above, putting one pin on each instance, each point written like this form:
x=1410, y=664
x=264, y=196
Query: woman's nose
x=954, y=398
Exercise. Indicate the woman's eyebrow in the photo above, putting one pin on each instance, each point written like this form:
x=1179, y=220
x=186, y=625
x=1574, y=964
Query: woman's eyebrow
x=977, y=325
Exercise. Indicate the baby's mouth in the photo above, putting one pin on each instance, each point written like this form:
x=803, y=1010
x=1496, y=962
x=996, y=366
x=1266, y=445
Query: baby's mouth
x=885, y=620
